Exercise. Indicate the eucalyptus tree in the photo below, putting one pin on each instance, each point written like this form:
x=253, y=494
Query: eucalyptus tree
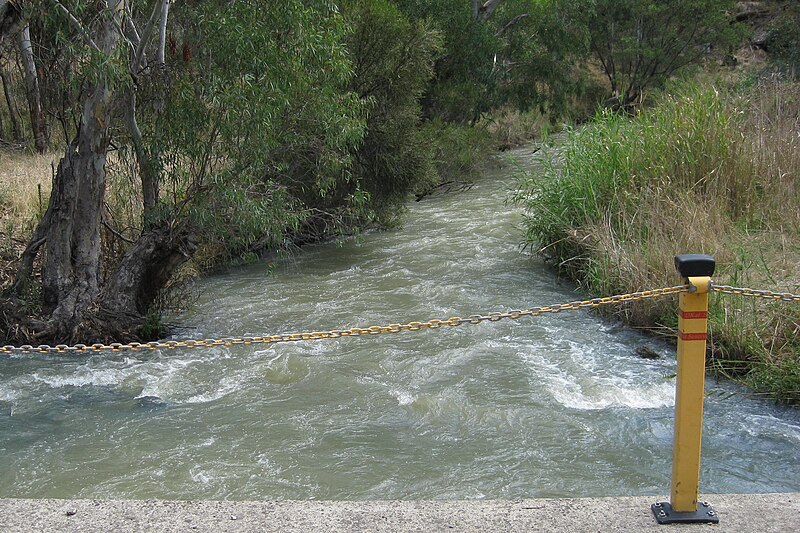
x=11, y=21
x=69, y=231
x=235, y=113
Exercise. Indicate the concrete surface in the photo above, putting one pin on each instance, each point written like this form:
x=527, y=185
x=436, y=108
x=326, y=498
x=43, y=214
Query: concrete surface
x=737, y=513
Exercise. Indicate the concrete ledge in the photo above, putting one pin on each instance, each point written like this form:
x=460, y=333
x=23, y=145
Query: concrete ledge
x=738, y=513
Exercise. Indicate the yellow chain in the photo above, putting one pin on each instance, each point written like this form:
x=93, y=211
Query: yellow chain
x=769, y=295
x=351, y=332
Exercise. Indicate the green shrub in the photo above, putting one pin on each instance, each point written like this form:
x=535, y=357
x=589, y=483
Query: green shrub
x=458, y=149
x=393, y=62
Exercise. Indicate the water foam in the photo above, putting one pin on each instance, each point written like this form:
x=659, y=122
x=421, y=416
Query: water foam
x=8, y=394
x=403, y=397
x=760, y=425
x=606, y=393
x=96, y=378
x=226, y=386
x=201, y=477
x=585, y=386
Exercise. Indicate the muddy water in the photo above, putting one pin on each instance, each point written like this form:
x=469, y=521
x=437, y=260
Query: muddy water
x=559, y=405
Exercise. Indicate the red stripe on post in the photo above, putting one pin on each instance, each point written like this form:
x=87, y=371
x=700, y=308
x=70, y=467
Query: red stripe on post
x=692, y=336
x=693, y=314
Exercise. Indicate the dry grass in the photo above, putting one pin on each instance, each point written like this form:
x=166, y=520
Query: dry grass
x=510, y=128
x=25, y=181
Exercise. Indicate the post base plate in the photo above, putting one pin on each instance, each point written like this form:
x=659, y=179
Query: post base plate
x=666, y=515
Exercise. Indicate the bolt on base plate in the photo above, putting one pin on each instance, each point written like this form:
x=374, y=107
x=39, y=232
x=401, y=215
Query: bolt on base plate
x=666, y=515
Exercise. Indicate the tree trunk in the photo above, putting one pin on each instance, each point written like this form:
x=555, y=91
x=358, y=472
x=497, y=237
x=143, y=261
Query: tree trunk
x=162, y=32
x=71, y=266
x=145, y=164
x=12, y=107
x=38, y=123
x=147, y=169
x=146, y=268
x=79, y=308
x=25, y=270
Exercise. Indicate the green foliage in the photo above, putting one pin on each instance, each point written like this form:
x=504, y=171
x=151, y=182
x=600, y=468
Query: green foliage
x=707, y=171
x=458, y=150
x=523, y=55
x=579, y=187
x=683, y=144
x=153, y=327
x=66, y=63
x=641, y=43
x=257, y=128
x=784, y=40
x=782, y=382
x=392, y=61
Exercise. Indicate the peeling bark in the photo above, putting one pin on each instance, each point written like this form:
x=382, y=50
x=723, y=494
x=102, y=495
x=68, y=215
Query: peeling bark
x=71, y=266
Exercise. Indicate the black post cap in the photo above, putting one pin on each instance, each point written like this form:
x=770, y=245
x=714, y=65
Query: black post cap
x=693, y=265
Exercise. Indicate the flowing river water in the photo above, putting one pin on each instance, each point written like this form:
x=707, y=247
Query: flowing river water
x=558, y=405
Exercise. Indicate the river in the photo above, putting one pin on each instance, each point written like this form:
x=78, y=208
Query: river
x=551, y=406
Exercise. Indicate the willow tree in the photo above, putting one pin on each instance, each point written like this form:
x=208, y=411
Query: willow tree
x=213, y=100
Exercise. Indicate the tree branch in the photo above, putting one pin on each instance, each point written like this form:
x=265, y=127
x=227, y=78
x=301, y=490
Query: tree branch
x=77, y=25
x=148, y=30
x=513, y=22
x=162, y=34
x=485, y=11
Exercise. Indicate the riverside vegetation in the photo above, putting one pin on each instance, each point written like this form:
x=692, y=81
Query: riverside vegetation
x=708, y=169
x=711, y=167
x=206, y=133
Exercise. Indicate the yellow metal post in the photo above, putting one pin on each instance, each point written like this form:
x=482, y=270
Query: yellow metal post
x=689, y=392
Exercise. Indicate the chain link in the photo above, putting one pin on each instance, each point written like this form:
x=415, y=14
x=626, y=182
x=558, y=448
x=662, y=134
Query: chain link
x=350, y=332
x=769, y=295
x=390, y=328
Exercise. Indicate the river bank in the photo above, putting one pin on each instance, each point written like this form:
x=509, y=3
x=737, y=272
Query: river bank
x=755, y=513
